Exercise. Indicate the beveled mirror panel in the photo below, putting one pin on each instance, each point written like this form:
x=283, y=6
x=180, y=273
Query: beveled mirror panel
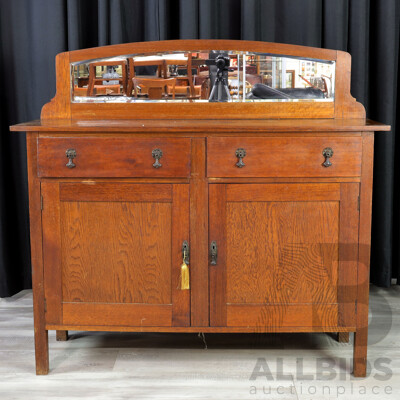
x=202, y=76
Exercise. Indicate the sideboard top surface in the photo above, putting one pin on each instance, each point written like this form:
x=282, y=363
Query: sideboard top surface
x=209, y=126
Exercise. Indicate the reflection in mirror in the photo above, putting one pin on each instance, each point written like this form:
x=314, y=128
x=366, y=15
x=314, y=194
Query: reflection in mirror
x=203, y=76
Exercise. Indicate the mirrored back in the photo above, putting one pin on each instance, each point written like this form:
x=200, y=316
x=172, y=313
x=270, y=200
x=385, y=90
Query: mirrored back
x=202, y=76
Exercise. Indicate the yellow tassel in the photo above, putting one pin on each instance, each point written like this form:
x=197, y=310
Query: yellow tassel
x=185, y=276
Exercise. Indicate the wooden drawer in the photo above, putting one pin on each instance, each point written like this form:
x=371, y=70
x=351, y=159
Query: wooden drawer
x=284, y=157
x=113, y=157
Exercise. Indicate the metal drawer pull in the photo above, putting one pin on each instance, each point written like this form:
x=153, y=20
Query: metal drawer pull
x=240, y=153
x=157, y=154
x=71, y=154
x=327, y=153
x=213, y=252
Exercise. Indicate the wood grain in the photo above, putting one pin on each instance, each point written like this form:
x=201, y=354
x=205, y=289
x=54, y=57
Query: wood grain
x=275, y=256
x=93, y=191
x=283, y=192
x=218, y=272
x=282, y=315
x=41, y=334
x=364, y=243
x=52, y=240
x=199, y=236
x=291, y=157
x=205, y=127
x=116, y=252
x=117, y=314
x=111, y=157
x=180, y=232
x=205, y=329
x=348, y=252
x=344, y=104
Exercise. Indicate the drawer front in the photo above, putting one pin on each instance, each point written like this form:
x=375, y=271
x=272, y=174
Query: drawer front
x=113, y=157
x=283, y=157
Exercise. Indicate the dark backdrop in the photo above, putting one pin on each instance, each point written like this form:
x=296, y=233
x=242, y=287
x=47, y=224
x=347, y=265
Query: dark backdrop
x=34, y=31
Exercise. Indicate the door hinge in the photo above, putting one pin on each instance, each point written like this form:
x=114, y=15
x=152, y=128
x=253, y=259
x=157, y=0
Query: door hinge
x=358, y=203
x=45, y=305
x=41, y=202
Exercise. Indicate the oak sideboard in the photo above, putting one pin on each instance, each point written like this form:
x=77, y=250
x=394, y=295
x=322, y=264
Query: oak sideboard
x=201, y=186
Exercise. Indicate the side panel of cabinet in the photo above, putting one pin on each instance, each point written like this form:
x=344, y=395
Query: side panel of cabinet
x=287, y=255
x=112, y=253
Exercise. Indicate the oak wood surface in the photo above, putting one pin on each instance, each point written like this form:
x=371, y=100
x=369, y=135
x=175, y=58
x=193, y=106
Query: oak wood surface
x=364, y=249
x=199, y=236
x=111, y=250
x=344, y=104
x=39, y=305
x=204, y=127
x=111, y=157
x=288, y=315
x=204, y=329
x=275, y=261
x=292, y=157
x=293, y=239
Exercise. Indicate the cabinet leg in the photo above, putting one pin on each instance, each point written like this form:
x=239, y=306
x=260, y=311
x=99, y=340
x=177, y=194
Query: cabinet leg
x=360, y=352
x=343, y=337
x=41, y=351
x=61, y=336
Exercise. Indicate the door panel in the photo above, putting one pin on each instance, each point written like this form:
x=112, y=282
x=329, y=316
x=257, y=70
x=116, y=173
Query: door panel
x=282, y=251
x=110, y=257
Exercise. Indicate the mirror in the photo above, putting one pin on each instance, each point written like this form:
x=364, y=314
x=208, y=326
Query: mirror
x=202, y=76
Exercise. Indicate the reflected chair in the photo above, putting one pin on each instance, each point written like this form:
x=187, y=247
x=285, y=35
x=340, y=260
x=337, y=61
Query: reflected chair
x=102, y=89
x=157, y=64
x=156, y=88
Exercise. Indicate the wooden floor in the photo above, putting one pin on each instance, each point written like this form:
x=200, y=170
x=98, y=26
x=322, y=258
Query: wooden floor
x=177, y=366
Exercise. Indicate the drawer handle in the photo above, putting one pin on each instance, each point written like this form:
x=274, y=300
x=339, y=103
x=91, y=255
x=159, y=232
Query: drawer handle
x=240, y=153
x=213, y=252
x=71, y=154
x=327, y=153
x=157, y=154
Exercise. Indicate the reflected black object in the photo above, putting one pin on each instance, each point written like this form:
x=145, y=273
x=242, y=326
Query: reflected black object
x=219, y=63
x=261, y=91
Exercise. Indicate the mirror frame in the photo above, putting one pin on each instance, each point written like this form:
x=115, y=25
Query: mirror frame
x=343, y=106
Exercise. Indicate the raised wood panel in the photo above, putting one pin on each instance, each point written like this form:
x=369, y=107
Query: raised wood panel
x=112, y=157
x=121, y=250
x=283, y=248
x=283, y=157
x=116, y=252
x=275, y=255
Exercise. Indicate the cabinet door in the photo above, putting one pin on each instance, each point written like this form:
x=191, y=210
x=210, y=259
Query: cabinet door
x=286, y=255
x=112, y=253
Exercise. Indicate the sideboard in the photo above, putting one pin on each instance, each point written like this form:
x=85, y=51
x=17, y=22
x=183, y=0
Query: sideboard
x=201, y=186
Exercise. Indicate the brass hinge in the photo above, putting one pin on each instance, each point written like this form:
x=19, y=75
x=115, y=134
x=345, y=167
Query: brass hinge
x=45, y=305
x=358, y=203
x=41, y=202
